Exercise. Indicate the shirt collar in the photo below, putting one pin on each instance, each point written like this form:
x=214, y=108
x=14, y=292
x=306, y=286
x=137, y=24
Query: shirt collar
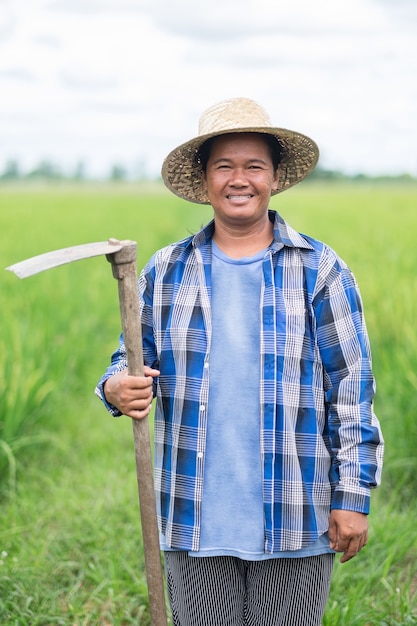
x=284, y=235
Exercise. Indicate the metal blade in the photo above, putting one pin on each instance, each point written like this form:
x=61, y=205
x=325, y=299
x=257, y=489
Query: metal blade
x=46, y=261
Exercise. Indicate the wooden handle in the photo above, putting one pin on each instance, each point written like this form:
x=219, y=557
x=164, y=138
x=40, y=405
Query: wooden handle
x=124, y=269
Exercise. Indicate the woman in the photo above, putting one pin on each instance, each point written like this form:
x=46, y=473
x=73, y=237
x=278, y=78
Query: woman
x=266, y=443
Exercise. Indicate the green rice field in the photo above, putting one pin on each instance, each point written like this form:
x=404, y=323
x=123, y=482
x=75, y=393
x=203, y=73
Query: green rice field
x=70, y=538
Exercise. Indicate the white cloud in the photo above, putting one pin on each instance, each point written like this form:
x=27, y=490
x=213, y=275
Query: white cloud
x=107, y=80
x=8, y=22
x=95, y=6
x=243, y=18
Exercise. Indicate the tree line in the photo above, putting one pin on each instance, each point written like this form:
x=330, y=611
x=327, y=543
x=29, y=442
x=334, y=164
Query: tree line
x=117, y=172
x=50, y=171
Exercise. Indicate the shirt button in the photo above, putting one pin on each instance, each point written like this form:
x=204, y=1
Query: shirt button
x=206, y=365
x=200, y=455
x=202, y=407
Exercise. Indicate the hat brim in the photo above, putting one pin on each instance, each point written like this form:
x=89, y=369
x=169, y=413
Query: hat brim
x=183, y=175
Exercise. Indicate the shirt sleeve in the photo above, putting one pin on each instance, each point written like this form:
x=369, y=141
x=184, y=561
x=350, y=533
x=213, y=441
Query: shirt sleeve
x=147, y=312
x=354, y=431
x=118, y=363
x=119, y=357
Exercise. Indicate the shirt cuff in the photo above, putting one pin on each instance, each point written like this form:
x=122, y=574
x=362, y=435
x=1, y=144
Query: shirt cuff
x=99, y=391
x=359, y=501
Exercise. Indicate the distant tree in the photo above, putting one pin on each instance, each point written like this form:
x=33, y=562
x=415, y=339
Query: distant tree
x=11, y=171
x=46, y=170
x=80, y=172
x=118, y=173
x=322, y=174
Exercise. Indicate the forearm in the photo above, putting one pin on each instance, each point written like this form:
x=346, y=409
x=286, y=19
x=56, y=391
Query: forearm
x=118, y=364
x=355, y=436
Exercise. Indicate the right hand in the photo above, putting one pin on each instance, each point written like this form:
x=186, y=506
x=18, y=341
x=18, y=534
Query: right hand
x=132, y=395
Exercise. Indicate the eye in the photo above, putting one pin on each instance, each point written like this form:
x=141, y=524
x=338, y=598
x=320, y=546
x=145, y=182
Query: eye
x=256, y=165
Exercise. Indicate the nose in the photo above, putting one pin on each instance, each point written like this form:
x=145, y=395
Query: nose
x=238, y=177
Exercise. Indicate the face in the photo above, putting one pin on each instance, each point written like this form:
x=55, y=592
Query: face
x=239, y=178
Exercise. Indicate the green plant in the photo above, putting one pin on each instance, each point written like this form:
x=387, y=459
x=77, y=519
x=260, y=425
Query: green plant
x=70, y=544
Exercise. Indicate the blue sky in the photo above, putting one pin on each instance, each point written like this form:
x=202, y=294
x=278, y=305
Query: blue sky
x=105, y=81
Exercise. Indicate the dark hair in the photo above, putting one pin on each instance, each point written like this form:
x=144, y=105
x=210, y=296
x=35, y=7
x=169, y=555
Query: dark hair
x=275, y=150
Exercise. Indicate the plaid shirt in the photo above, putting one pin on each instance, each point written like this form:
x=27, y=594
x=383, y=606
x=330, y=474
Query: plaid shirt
x=321, y=444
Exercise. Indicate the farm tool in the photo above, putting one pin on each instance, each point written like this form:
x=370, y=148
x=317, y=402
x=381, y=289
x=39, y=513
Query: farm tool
x=122, y=256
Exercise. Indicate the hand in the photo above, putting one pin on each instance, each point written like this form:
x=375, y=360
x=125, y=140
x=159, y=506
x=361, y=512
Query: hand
x=132, y=395
x=348, y=532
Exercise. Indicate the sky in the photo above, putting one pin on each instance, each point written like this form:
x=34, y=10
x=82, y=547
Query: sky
x=125, y=81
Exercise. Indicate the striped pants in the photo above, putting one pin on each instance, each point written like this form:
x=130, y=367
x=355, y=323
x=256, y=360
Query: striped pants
x=227, y=591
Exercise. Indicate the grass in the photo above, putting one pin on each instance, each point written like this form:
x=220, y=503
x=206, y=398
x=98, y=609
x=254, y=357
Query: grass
x=70, y=546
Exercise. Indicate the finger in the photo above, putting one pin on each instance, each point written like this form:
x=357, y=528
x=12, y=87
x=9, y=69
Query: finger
x=343, y=541
x=149, y=371
x=130, y=392
x=138, y=414
x=138, y=382
x=333, y=541
x=355, y=546
x=338, y=542
x=364, y=541
x=136, y=402
x=342, y=544
x=332, y=533
x=348, y=554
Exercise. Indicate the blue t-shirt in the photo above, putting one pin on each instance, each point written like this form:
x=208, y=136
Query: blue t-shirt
x=232, y=521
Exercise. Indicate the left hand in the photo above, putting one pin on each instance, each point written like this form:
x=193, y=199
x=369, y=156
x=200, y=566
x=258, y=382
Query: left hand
x=348, y=532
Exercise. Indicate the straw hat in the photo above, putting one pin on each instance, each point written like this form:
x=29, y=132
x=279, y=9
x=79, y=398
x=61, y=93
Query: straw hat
x=182, y=171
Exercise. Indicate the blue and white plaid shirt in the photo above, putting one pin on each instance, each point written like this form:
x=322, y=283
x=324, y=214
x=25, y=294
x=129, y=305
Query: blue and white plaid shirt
x=321, y=444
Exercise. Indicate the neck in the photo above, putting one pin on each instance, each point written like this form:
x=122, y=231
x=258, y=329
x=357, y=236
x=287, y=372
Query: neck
x=240, y=242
